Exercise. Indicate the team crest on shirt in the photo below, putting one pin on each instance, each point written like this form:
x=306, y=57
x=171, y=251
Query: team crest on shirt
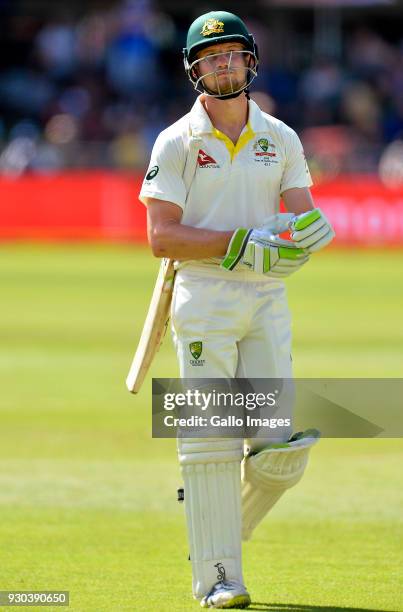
x=212, y=26
x=263, y=144
x=206, y=161
x=196, y=349
x=264, y=151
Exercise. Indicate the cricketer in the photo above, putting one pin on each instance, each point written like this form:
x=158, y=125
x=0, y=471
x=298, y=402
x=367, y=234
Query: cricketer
x=220, y=224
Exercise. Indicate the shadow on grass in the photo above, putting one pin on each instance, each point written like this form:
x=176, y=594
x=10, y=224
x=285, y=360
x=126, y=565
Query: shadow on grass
x=273, y=607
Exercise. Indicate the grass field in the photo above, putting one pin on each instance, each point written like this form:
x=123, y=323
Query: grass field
x=88, y=499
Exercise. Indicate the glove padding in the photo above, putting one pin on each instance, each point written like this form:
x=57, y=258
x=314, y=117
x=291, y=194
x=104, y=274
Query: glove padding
x=273, y=257
x=264, y=252
x=311, y=230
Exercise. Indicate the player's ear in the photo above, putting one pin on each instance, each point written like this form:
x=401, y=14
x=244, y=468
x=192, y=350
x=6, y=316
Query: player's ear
x=251, y=62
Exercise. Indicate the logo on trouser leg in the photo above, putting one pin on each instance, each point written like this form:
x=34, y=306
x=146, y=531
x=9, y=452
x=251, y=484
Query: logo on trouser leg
x=221, y=572
x=196, y=350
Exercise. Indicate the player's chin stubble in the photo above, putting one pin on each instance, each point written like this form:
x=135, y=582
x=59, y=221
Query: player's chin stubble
x=226, y=85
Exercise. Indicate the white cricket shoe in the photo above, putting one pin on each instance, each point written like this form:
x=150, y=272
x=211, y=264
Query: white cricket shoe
x=227, y=594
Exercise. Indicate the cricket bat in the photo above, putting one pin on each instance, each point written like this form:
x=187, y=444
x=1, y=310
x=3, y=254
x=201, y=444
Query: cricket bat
x=154, y=328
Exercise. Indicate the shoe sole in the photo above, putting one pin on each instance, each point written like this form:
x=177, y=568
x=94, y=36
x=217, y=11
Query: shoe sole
x=239, y=601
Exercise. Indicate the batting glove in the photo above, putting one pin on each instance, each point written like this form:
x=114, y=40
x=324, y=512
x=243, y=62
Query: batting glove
x=311, y=230
x=264, y=253
x=278, y=223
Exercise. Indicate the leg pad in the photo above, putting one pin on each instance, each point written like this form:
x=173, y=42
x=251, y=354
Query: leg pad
x=211, y=471
x=267, y=475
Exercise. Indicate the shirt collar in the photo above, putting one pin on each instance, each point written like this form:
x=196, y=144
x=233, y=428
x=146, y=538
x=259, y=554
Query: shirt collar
x=256, y=119
x=200, y=121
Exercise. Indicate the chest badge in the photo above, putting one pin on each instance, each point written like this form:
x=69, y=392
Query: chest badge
x=264, y=152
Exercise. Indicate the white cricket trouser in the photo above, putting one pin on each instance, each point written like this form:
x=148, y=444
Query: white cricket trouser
x=243, y=325
x=223, y=326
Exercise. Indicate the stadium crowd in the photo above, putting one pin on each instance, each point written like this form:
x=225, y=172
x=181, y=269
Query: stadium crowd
x=95, y=92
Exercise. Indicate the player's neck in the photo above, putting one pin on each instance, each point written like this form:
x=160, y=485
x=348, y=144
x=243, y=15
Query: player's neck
x=228, y=116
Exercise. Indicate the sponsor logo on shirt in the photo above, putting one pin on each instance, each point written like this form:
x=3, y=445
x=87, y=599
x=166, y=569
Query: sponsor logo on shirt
x=206, y=161
x=152, y=173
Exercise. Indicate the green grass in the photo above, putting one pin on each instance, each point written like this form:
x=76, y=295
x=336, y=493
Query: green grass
x=87, y=498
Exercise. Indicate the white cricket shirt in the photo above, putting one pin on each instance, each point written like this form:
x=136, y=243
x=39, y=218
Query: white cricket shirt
x=234, y=185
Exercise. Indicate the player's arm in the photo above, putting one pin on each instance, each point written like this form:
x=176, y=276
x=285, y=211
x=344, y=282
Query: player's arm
x=169, y=238
x=253, y=247
x=298, y=200
x=310, y=229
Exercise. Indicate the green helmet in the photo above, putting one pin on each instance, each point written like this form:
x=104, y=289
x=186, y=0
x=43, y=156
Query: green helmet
x=213, y=28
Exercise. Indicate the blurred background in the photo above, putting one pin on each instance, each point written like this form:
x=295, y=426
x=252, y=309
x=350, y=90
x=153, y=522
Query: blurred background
x=87, y=86
x=91, y=84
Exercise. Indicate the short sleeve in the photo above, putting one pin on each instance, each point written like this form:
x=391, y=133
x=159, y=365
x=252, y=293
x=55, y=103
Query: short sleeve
x=163, y=179
x=296, y=172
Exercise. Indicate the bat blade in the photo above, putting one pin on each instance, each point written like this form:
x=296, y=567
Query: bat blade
x=154, y=326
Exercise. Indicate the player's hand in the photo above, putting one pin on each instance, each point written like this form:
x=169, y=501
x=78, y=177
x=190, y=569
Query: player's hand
x=273, y=256
x=264, y=253
x=277, y=224
x=311, y=230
